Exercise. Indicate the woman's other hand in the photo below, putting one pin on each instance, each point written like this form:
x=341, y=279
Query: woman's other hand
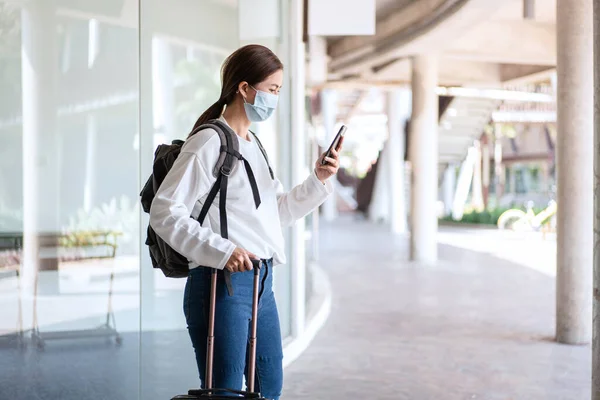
x=240, y=260
x=331, y=167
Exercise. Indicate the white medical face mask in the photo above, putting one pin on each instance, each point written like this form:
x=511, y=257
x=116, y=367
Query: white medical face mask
x=263, y=107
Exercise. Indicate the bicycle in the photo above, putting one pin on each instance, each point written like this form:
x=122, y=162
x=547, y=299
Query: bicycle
x=519, y=220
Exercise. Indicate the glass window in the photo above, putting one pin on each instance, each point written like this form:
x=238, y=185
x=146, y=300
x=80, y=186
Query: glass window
x=180, y=78
x=69, y=215
x=88, y=90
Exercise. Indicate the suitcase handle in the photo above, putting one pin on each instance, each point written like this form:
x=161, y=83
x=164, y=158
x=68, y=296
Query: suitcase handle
x=201, y=392
x=256, y=266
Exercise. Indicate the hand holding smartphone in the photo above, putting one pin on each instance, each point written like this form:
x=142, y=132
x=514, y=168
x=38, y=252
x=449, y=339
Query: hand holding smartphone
x=335, y=144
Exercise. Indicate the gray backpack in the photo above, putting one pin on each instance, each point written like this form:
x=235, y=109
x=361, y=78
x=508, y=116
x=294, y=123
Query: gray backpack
x=163, y=256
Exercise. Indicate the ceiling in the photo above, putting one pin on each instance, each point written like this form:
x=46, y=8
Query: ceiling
x=474, y=40
x=544, y=11
x=386, y=7
x=479, y=43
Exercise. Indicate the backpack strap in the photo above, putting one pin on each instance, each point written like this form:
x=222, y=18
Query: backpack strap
x=228, y=158
x=230, y=155
x=264, y=153
x=230, y=148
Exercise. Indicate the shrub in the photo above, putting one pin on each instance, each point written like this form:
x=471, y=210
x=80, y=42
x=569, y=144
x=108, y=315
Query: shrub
x=485, y=217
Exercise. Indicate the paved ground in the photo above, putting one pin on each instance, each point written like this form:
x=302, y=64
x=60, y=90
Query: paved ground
x=474, y=326
x=529, y=249
x=478, y=325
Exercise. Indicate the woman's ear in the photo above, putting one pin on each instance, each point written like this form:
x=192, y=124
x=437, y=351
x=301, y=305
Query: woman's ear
x=243, y=89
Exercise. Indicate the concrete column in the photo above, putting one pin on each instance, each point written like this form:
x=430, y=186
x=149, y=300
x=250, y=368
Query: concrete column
x=398, y=110
x=298, y=164
x=90, y=162
x=41, y=184
x=596, y=253
x=163, y=94
x=477, y=186
x=379, y=209
x=329, y=111
x=449, y=186
x=512, y=178
x=148, y=276
x=545, y=177
x=424, y=159
x=498, y=166
x=93, y=41
x=316, y=73
x=575, y=179
x=463, y=185
x=485, y=169
x=315, y=214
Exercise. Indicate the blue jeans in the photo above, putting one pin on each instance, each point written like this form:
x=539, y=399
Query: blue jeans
x=232, y=328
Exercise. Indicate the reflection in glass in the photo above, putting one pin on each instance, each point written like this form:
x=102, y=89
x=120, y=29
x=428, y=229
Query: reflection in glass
x=180, y=78
x=69, y=219
x=88, y=89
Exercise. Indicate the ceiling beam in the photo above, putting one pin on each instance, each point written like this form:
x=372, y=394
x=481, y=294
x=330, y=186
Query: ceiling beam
x=429, y=33
x=354, y=108
x=539, y=117
x=542, y=76
x=494, y=41
x=492, y=94
x=448, y=158
x=495, y=94
x=512, y=72
x=397, y=22
x=452, y=72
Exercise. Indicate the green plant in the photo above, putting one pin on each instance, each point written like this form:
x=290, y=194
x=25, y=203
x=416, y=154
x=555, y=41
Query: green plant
x=485, y=217
x=115, y=216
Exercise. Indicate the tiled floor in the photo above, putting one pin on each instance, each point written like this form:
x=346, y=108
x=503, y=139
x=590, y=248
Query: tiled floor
x=477, y=325
x=474, y=326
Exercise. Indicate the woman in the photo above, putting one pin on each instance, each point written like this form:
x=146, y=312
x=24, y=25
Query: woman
x=252, y=77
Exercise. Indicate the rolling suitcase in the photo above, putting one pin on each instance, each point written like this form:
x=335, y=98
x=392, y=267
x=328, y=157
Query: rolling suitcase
x=224, y=393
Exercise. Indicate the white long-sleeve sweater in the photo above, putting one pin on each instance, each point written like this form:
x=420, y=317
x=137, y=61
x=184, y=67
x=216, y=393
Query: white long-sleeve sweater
x=186, y=186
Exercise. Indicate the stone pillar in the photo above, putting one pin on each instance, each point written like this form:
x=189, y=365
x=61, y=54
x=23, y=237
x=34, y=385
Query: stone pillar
x=498, y=166
x=316, y=67
x=596, y=253
x=329, y=111
x=545, y=177
x=379, y=208
x=41, y=183
x=485, y=169
x=510, y=169
x=398, y=110
x=463, y=185
x=90, y=162
x=163, y=93
x=424, y=159
x=477, y=185
x=299, y=140
x=147, y=144
x=575, y=178
x=449, y=186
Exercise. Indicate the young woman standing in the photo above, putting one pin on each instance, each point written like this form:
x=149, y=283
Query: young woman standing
x=251, y=80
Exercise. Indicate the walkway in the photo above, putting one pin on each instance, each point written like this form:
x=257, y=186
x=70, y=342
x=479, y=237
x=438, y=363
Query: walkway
x=474, y=326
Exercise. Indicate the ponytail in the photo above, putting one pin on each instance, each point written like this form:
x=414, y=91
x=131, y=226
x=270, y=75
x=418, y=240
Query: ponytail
x=213, y=112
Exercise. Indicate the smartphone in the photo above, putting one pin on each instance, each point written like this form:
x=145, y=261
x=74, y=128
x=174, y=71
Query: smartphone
x=335, y=143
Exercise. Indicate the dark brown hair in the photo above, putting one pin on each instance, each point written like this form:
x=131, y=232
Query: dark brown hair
x=253, y=64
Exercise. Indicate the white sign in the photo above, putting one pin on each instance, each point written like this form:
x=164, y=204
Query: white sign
x=341, y=17
x=258, y=19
